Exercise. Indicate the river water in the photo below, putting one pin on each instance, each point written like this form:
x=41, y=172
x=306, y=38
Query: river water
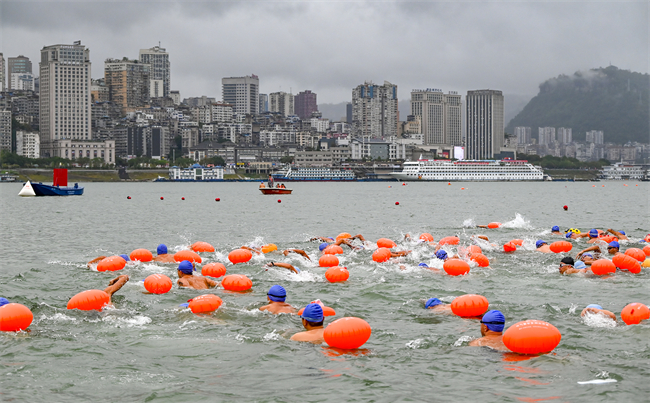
x=148, y=348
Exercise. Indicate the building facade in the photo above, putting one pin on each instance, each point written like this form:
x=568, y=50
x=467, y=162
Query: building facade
x=127, y=82
x=5, y=130
x=21, y=82
x=374, y=110
x=546, y=135
x=282, y=103
x=440, y=115
x=3, y=80
x=72, y=149
x=564, y=135
x=243, y=93
x=264, y=103
x=305, y=104
x=18, y=65
x=523, y=134
x=595, y=136
x=160, y=73
x=28, y=144
x=485, y=123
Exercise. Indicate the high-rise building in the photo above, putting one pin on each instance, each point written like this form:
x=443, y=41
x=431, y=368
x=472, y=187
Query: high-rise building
x=127, y=82
x=264, y=103
x=564, y=135
x=282, y=103
x=546, y=135
x=28, y=144
x=159, y=71
x=374, y=110
x=305, y=103
x=484, y=124
x=348, y=113
x=440, y=115
x=65, y=105
x=5, y=130
x=21, y=82
x=595, y=136
x=17, y=65
x=2, y=73
x=523, y=134
x=243, y=93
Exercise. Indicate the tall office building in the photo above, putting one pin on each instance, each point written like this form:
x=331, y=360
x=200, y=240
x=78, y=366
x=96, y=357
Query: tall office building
x=2, y=73
x=65, y=106
x=564, y=135
x=5, y=130
x=484, y=124
x=158, y=59
x=305, y=104
x=17, y=65
x=523, y=134
x=21, y=82
x=127, y=82
x=243, y=93
x=264, y=103
x=440, y=115
x=545, y=135
x=282, y=103
x=374, y=110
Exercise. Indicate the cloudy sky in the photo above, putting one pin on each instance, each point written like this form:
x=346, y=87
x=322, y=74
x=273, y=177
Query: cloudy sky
x=330, y=47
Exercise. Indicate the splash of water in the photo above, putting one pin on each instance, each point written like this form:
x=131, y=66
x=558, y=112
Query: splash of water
x=518, y=222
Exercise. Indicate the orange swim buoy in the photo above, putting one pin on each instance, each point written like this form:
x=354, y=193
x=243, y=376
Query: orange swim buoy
x=603, y=266
x=213, y=270
x=347, y=333
x=333, y=250
x=201, y=247
x=634, y=313
x=236, y=282
x=625, y=262
x=456, y=267
x=646, y=263
x=636, y=253
x=385, y=243
x=469, y=305
x=188, y=255
x=561, y=246
x=328, y=261
x=532, y=337
x=426, y=237
x=494, y=225
x=381, y=255
x=204, y=303
x=142, y=255
x=646, y=250
x=509, y=247
x=268, y=248
x=240, y=256
x=480, y=259
x=343, y=235
x=90, y=300
x=449, y=240
x=474, y=249
x=111, y=263
x=518, y=242
x=15, y=317
x=337, y=274
x=158, y=283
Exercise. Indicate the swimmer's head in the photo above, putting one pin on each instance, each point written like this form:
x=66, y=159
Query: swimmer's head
x=568, y=234
x=323, y=246
x=594, y=306
x=431, y=302
x=329, y=237
x=580, y=265
x=125, y=257
x=555, y=228
x=540, y=243
x=593, y=233
x=277, y=293
x=313, y=313
x=494, y=320
x=186, y=267
x=614, y=244
x=3, y=301
x=568, y=260
x=441, y=254
x=162, y=249
x=587, y=255
x=423, y=265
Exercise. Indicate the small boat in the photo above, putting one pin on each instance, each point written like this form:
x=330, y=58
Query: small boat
x=276, y=191
x=59, y=187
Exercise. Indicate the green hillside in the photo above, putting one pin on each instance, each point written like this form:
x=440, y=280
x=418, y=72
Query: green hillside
x=608, y=99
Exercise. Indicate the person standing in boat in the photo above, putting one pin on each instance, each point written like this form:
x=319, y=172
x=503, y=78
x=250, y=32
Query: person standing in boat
x=270, y=181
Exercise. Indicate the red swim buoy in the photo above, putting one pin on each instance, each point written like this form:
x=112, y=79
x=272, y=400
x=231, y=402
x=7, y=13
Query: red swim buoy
x=158, y=284
x=494, y=225
x=469, y=305
x=240, y=256
x=602, y=266
x=385, y=243
x=162, y=198
x=213, y=270
x=187, y=255
x=204, y=303
x=343, y=235
x=143, y=255
x=381, y=255
x=217, y=199
x=634, y=313
x=646, y=250
x=518, y=242
x=625, y=262
x=15, y=317
x=333, y=250
x=480, y=259
x=337, y=274
x=474, y=249
x=397, y=203
x=561, y=246
x=128, y=197
x=347, y=333
x=456, y=267
x=202, y=247
x=532, y=337
x=111, y=263
x=565, y=208
x=509, y=247
x=182, y=198
x=90, y=300
x=449, y=240
x=236, y=282
x=426, y=237
x=636, y=253
x=328, y=261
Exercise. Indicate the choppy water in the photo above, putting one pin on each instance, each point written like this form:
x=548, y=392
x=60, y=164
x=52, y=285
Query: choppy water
x=147, y=348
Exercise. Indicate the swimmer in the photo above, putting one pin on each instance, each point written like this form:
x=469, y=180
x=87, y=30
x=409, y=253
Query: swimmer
x=426, y=266
x=400, y=253
x=612, y=248
x=492, y=325
x=556, y=230
x=115, y=284
x=586, y=258
x=187, y=279
x=619, y=234
x=163, y=256
x=312, y=319
x=322, y=239
x=95, y=260
x=597, y=310
x=442, y=255
x=436, y=305
x=345, y=241
x=485, y=226
x=646, y=239
x=543, y=247
x=593, y=236
x=276, y=297
x=569, y=266
x=298, y=251
x=284, y=265
x=256, y=250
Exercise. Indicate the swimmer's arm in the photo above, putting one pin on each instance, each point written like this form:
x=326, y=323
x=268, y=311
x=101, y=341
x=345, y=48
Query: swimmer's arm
x=475, y=343
x=616, y=233
x=283, y=265
x=115, y=284
x=95, y=260
x=360, y=237
x=481, y=226
x=300, y=252
x=211, y=283
x=589, y=249
x=251, y=249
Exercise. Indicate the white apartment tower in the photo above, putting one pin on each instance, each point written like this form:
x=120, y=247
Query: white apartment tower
x=374, y=110
x=524, y=134
x=545, y=135
x=2, y=73
x=5, y=130
x=282, y=103
x=243, y=93
x=484, y=124
x=440, y=115
x=65, y=105
x=158, y=58
x=595, y=136
x=564, y=135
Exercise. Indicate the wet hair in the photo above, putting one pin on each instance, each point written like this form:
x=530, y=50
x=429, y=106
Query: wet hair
x=314, y=324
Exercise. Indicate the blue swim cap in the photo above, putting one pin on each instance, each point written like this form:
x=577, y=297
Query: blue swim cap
x=162, y=249
x=494, y=320
x=579, y=265
x=186, y=267
x=184, y=305
x=568, y=234
x=594, y=306
x=329, y=237
x=3, y=301
x=614, y=244
x=323, y=246
x=555, y=228
x=431, y=302
x=125, y=257
x=588, y=254
x=593, y=233
x=539, y=243
x=441, y=254
x=277, y=293
x=313, y=313
x=622, y=232
x=423, y=265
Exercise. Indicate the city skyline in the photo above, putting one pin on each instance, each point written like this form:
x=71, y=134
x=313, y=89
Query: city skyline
x=342, y=45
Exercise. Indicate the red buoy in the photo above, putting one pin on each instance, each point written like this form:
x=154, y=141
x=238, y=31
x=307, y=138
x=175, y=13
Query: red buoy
x=566, y=208
x=128, y=197
x=15, y=317
x=328, y=261
x=397, y=203
x=337, y=274
x=205, y=303
x=217, y=199
x=279, y=201
x=162, y=198
x=469, y=305
x=347, y=333
x=182, y=198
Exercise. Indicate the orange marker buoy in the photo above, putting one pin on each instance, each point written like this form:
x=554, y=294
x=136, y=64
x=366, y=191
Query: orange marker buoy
x=347, y=333
x=15, y=317
x=462, y=188
x=187, y=255
x=328, y=261
x=636, y=253
x=474, y=249
x=240, y=256
x=518, y=242
x=634, y=313
x=625, y=262
x=449, y=240
x=385, y=243
x=509, y=247
x=426, y=237
x=158, y=284
x=204, y=303
x=532, y=337
x=90, y=300
x=333, y=250
x=480, y=259
x=343, y=235
x=268, y=248
x=403, y=184
x=337, y=274
x=646, y=263
x=381, y=255
x=469, y=305
x=561, y=246
x=646, y=250
x=603, y=266
x=213, y=270
x=494, y=225
x=456, y=267
x=111, y=263
x=142, y=255
x=236, y=282
x=201, y=247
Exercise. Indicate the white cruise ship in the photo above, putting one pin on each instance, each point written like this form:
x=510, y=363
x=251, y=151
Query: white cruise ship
x=620, y=171
x=314, y=174
x=481, y=171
